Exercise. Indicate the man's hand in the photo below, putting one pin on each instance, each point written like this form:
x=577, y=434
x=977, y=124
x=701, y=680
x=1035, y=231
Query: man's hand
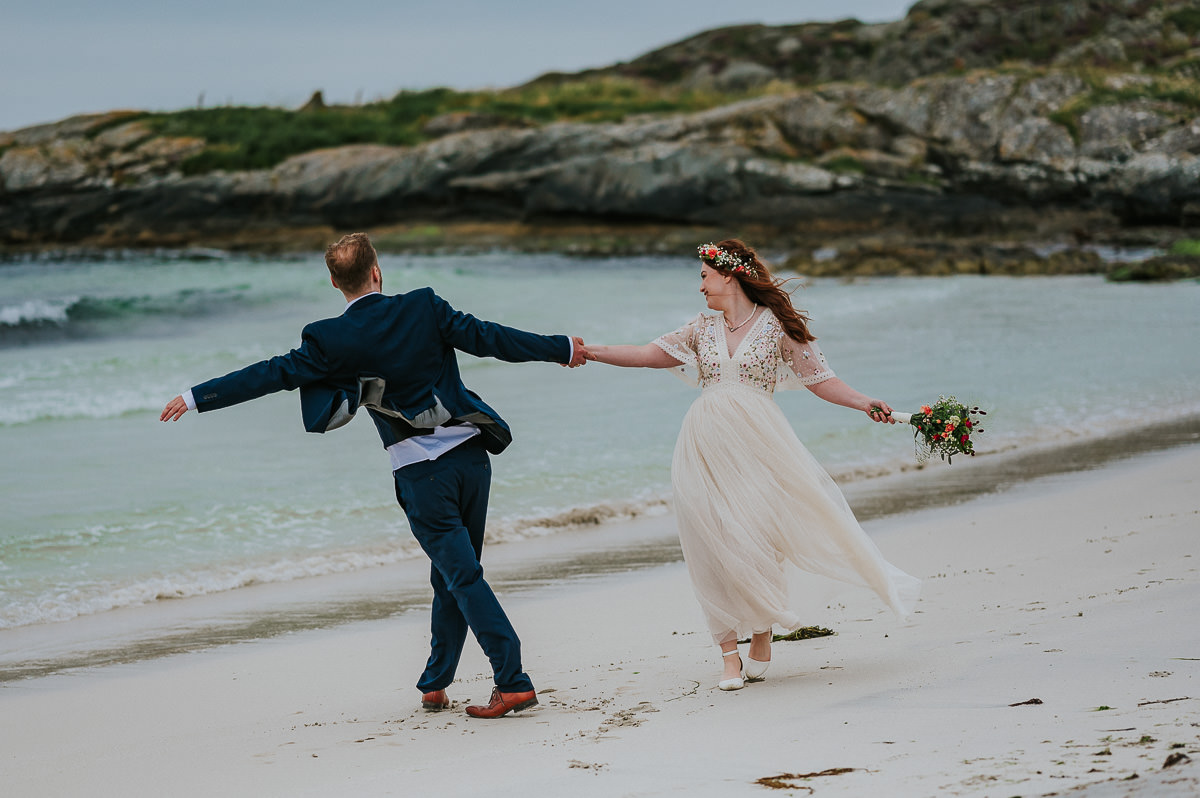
x=579, y=353
x=174, y=409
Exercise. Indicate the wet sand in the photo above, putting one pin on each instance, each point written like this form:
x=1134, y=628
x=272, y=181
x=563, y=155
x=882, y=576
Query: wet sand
x=1076, y=589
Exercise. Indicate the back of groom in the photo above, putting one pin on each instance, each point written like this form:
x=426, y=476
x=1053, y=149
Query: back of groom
x=395, y=356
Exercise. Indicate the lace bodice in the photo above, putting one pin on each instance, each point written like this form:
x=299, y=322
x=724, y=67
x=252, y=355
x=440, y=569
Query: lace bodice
x=767, y=359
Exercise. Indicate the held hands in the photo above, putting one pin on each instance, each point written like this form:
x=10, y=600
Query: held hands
x=174, y=409
x=880, y=411
x=579, y=353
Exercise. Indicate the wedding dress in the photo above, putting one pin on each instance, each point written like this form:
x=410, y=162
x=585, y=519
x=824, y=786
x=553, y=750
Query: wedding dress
x=748, y=495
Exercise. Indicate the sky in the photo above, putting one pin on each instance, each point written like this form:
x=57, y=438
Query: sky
x=64, y=57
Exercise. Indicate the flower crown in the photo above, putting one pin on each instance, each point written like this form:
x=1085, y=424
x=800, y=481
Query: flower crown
x=725, y=261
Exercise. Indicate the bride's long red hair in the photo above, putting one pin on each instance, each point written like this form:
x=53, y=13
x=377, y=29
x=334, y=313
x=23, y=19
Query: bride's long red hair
x=764, y=289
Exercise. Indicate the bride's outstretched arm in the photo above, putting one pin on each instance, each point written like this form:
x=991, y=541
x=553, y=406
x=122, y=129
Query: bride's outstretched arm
x=839, y=393
x=648, y=356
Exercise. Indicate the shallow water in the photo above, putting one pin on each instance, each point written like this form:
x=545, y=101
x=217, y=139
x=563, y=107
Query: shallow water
x=104, y=508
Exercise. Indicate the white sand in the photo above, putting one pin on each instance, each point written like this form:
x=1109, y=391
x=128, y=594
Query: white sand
x=1080, y=590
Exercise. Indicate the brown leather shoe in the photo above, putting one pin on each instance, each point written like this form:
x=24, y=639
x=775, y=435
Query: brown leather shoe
x=503, y=703
x=435, y=701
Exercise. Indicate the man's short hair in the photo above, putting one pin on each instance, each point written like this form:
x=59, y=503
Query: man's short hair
x=350, y=261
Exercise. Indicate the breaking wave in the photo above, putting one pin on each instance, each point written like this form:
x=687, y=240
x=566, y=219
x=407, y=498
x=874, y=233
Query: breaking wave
x=34, y=321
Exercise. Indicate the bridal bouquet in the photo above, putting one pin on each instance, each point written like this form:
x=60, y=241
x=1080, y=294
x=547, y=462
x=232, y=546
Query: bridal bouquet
x=946, y=427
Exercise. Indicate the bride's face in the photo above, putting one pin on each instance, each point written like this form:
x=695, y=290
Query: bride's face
x=716, y=287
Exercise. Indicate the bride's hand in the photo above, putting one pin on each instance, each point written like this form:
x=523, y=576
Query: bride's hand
x=880, y=411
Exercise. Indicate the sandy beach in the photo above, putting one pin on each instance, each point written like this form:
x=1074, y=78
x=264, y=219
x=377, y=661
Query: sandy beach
x=1055, y=650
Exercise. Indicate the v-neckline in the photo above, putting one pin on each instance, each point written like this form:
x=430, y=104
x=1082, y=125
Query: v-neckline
x=725, y=338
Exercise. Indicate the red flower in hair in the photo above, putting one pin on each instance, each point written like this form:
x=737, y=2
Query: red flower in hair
x=720, y=259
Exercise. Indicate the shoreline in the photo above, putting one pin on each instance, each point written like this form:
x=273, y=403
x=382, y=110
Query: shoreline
x=1075, y=589
x=262, y=612
x=896, y=493
x=824, y=252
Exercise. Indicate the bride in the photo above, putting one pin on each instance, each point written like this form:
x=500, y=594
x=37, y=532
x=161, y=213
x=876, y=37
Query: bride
x=748, y=495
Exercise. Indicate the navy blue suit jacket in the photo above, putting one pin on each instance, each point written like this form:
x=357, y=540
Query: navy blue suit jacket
x=395, y=356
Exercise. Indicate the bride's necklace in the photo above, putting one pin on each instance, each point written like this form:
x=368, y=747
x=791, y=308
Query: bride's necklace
x=736, y=327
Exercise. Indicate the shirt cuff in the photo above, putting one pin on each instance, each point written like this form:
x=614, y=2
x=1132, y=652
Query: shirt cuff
x=188, y=399
x=570, y=349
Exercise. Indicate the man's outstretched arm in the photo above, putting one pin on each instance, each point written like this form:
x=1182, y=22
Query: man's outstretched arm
x=491, y=339
x=298, y=367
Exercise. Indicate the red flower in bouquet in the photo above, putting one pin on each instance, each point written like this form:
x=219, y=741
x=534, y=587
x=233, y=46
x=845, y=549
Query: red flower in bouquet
x=946, y=428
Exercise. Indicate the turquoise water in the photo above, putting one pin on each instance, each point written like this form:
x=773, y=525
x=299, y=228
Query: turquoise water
x=102, y=507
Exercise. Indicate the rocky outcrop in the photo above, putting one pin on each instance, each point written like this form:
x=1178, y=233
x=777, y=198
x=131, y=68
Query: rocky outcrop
x=964, y=153
x=1162, y=268
x=935, y=37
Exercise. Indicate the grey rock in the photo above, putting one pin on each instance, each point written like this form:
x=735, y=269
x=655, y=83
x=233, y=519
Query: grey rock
x=789, y=45
x=648, y=181
x=72, y=127
x=963, y=115
x=933, y=38
x=1178, y=141
x=907, y=110
x=1091, y=170
x=1042, y=95
x=122, y=137
x=1116, y=132
x=743, y=76
x=55, y=165
x=1155, y=185
x=966, y=114
x=1037, y=140
x=788, y=178
x=815, y=125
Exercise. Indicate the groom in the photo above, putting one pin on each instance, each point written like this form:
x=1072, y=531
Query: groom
x=395, y=356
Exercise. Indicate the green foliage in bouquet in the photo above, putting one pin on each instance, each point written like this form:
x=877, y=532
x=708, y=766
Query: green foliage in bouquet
x=948, y=428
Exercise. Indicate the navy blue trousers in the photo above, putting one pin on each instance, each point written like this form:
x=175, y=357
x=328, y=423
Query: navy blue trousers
x=446, y=504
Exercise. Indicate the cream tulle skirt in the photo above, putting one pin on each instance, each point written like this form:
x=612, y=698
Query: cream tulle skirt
x=748, y=498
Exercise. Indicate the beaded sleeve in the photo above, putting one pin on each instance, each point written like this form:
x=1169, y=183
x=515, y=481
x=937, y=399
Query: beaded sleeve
x=801, y=365
x=681, y=345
